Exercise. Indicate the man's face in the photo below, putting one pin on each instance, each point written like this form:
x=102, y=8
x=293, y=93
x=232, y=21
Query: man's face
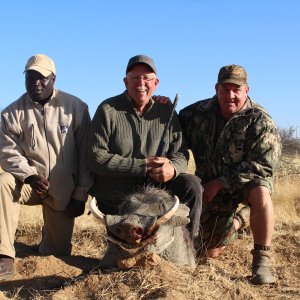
x=141, y=83
x=231, y=98
x=38, y=87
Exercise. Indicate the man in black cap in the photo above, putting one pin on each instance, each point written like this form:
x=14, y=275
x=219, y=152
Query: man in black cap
x=236, y=148
x=124, y=137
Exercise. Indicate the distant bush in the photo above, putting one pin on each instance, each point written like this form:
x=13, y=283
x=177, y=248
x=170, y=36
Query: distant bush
x=290, y=152
x=290, y=142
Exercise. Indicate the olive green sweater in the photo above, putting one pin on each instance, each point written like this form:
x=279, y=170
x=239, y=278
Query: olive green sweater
x=120, y=141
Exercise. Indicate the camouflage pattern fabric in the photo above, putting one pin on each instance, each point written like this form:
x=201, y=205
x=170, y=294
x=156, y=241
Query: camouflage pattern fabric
x=216, y=220
x=232, y=74
x=217, y=230
x=243, y=152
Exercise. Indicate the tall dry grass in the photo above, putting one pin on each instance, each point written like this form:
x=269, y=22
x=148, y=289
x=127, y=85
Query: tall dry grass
x=286, y=199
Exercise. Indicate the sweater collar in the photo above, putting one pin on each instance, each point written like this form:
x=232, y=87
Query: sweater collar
x=130, y=102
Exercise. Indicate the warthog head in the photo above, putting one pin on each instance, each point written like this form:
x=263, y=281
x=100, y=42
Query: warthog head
x=149, y=220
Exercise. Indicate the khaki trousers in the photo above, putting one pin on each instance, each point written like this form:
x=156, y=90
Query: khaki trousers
x=57, y=229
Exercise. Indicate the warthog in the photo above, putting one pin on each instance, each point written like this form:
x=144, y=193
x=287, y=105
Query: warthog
x=149, y=221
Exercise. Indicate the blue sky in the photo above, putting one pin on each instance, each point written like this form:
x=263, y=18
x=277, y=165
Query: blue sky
x=189, y=40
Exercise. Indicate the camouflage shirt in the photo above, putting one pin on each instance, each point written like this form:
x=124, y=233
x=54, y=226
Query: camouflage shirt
x=244, y=150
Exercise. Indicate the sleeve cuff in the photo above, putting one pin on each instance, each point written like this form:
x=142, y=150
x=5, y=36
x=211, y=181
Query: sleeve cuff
x=80, y=193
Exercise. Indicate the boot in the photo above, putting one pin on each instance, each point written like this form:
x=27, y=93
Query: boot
x=260, y=267
x=6, y=267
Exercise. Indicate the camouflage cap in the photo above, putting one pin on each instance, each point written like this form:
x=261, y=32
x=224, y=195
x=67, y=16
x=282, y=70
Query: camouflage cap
x=233, y=74
x=140, y=59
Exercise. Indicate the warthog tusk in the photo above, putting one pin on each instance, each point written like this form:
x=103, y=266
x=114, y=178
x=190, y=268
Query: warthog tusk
x=96, y=212
x=164, y=218
x=169, y=214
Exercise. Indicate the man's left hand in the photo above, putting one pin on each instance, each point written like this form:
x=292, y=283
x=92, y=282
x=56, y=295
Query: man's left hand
x=75, y=208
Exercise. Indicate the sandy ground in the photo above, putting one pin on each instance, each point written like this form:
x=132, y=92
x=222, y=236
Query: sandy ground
x=80, y=277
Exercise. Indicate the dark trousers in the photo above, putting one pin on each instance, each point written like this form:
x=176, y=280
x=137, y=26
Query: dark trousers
x=189, y=190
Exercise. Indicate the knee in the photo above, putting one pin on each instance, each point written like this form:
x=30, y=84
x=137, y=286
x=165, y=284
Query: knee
x=191, y=183
x=191, y=191
x=3, y=177
x=6, y=180
x=260, y=197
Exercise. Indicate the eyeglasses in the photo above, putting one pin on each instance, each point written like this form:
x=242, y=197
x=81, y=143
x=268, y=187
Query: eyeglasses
x=146, y=78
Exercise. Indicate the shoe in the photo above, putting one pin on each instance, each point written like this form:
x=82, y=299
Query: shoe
x=243, y=217
x=6, y=268
x=261, y=273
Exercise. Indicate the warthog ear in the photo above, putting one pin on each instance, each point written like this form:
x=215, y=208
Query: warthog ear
x=96, y=212
x=183, y=210
x=179, y=221
x=181, y=216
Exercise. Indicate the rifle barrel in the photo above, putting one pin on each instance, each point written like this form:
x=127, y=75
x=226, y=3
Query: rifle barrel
x=162, y=144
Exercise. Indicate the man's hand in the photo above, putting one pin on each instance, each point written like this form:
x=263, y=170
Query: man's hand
x=211, y=189
x=160, y=169
x=75, y=208
x=38, y=183
x=161, y=99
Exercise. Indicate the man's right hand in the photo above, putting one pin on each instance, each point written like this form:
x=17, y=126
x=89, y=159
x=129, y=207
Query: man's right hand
x=38, y=183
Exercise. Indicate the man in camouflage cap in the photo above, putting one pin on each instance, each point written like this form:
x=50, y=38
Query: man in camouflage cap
x=236, y=147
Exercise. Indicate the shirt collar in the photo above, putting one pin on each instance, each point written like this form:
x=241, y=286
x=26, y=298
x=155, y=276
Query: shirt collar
x=54, y=93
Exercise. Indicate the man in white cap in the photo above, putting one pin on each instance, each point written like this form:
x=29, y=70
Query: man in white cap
x=43, y=155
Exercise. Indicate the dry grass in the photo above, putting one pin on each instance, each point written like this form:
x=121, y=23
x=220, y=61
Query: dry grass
x=287, y=199
x=223, y=278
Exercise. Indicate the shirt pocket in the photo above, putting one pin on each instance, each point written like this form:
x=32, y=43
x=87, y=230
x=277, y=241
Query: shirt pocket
x=27, y=138
x=62, y=142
